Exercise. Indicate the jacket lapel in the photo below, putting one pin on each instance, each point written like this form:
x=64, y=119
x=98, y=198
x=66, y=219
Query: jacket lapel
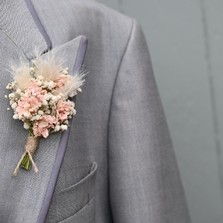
x=19, y=25
x=75, y=51
x=26, y=198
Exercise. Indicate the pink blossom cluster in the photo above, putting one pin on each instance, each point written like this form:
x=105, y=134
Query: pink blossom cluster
x=41, y=106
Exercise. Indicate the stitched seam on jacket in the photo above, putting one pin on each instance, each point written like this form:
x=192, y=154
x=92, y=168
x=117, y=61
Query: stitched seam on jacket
x=111, y=101
x=39, y=24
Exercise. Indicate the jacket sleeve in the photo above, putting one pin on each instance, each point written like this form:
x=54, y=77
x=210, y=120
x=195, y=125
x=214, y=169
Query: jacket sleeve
x=144, y=180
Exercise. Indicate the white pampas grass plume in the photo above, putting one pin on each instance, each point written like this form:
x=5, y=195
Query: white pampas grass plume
x=49, y=66
x=21, y=75
x=72, y=84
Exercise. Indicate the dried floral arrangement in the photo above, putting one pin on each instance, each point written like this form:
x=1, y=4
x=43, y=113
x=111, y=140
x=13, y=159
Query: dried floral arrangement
x=40, y=98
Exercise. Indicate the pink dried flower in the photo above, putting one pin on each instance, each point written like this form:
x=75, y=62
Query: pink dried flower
x=27, y=106
x=61, y=80
x=35, y=90
x=43, y=126
x=64, y=109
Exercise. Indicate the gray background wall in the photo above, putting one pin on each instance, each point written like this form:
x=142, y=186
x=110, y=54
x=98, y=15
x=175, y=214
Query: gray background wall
x=186, y=46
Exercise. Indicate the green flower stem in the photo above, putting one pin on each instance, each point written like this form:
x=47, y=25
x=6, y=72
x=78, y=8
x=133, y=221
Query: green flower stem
x=26, y=163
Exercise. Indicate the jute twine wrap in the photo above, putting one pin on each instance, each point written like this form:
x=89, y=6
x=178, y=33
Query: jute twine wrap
x=30, y=148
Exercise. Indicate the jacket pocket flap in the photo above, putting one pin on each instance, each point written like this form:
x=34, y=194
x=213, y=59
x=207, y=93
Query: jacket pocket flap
x=86, y=214
x=72, y=199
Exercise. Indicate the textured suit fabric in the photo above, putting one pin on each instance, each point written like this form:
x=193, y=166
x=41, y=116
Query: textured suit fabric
x=16, y=22
x=23, y=196
x=119, y=165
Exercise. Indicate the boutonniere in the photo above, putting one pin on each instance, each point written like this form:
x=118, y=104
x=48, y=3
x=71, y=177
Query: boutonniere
x=40, y=97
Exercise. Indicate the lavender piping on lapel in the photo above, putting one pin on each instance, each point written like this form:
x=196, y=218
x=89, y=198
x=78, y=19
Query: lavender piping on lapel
x=63, y=142
x=38, y=23
x=65, y=135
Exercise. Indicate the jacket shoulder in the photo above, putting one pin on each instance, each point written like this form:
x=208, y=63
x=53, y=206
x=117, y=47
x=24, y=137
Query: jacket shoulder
x=86, y=17
x=102, y=12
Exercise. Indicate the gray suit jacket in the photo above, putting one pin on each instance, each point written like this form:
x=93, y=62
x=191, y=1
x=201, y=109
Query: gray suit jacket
x=116, y=163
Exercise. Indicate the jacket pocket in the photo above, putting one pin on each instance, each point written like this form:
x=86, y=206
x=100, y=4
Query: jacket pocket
x=77, y=199
x=86, y=214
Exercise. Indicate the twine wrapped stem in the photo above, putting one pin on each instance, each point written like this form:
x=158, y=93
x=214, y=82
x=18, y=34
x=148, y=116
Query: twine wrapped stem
x=26, y=160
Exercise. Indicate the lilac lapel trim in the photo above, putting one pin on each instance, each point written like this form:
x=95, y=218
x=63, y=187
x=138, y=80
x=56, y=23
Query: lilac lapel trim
x=38, y=23
x=65, y=135
x=63, y=143
x=80, y=54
